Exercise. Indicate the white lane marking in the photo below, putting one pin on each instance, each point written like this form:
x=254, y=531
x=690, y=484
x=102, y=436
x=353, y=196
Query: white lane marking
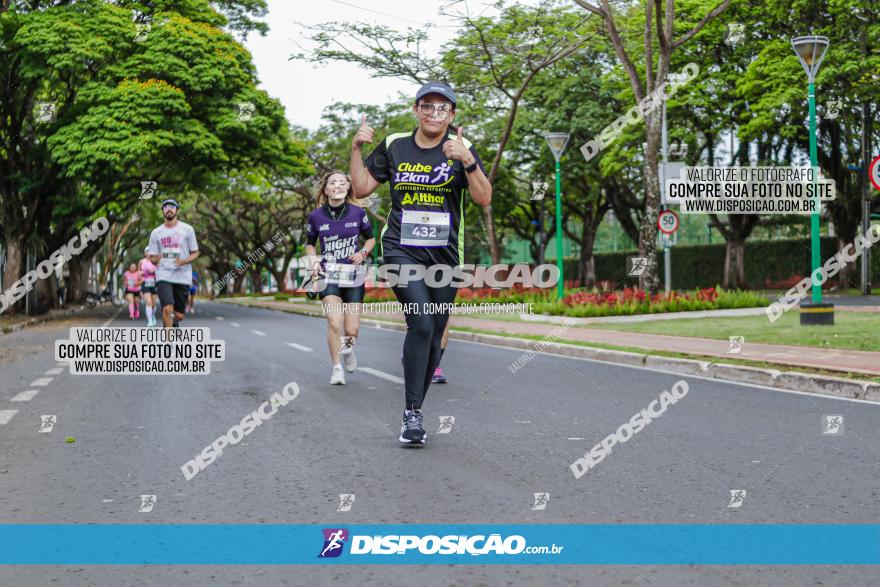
x=25, y=396
x=236, y=324
x=219, y=317
x=259, y=332
x=53, y=371
x=683, y=375
x=522, y=421
x=60, y=364
x=106, y=501
x=41, y=382
x=112, y=318
x=382, y=374
x=6, y=416
x=576, y=438
x=300, y=347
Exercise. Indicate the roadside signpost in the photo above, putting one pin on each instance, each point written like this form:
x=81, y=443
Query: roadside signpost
x=668, y=222
x=874, y=172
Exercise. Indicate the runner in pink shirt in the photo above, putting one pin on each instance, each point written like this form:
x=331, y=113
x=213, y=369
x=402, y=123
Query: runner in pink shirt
x=132, y=279
x=148, y=286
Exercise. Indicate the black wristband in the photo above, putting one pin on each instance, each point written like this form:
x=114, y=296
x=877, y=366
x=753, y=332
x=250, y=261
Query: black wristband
x=471, y=168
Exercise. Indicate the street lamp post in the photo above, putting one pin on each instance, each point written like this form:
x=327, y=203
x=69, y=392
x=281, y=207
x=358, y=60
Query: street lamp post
x=557, y=142
x=810, y=51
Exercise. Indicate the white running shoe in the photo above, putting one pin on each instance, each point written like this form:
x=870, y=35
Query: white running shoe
x=338, y=376
x=349, y=361
x=346, y=349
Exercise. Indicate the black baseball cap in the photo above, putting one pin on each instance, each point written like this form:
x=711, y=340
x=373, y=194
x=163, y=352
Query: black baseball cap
x=436, y=88
x=170, y=201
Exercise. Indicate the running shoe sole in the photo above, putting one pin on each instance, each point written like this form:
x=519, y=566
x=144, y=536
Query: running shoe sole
x=413, y=442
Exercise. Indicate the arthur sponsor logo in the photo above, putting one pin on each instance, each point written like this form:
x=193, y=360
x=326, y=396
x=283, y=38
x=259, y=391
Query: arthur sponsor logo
x=422, y=198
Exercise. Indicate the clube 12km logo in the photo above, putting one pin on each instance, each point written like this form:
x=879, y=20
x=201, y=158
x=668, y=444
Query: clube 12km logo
x=336, y=538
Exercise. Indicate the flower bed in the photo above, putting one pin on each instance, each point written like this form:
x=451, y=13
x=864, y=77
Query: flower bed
x=595, y=302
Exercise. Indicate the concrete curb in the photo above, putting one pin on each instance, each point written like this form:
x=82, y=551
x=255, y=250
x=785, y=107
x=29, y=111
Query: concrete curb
x=643, y=317
x=788, y=380
x=40, y=319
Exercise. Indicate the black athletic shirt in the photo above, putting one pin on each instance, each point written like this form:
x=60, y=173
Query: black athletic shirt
x=423, y=180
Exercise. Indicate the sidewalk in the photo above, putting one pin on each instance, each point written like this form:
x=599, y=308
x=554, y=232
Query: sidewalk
x=789, y=355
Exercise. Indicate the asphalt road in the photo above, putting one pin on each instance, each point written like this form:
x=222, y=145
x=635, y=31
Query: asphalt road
x=513, y=435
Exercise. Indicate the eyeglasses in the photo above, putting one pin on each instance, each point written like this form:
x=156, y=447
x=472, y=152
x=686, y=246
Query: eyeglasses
x=169, y=207
x=338, y=185
x=437, y=111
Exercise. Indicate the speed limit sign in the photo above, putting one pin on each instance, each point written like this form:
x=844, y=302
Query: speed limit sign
x=667, y=222
x=874, y=172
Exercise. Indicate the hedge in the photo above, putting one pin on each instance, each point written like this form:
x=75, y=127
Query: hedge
x=768, y=264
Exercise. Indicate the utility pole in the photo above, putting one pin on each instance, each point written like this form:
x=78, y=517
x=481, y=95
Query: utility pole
x=866, y=203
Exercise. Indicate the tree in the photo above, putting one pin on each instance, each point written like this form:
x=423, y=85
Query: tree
x=492, y=62
x=126, y=110
x=658, y=32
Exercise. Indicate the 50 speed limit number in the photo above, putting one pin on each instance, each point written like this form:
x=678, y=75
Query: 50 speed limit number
x=667, y=222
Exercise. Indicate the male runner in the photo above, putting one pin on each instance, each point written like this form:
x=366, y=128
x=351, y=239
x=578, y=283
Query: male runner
x=428, y=168
x=172, y=248
x=191, y=302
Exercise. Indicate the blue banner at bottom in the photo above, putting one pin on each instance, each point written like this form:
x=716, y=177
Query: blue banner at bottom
x=300, y=544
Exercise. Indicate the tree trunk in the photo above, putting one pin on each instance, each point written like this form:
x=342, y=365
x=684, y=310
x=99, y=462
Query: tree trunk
x=45, y=295
x=280, y=278
x=237, y=285
x=847, y=270
x=734, y=265
x=13, y=271
x=77, y=282
x=586, y=267
x=257, y=277
x=491, y=237
x=650, y=279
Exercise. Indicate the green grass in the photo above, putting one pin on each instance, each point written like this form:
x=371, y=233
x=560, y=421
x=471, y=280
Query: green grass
x=706, y=358
x=852, y=331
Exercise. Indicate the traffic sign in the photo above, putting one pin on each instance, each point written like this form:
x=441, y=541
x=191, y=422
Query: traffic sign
x=874, y=172
x=667, y=222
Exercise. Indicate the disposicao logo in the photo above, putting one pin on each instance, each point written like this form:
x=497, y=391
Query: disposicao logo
x=334, y=540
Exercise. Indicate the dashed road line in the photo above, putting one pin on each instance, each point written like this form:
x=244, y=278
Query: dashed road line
x=236, y=324
x=6, y=416
x=25, y=396
x=300, y=347
x=112, y=318
x=54, y=371
x=41, y=382
x=259, y=332
x=382, y=374
x=219, y=317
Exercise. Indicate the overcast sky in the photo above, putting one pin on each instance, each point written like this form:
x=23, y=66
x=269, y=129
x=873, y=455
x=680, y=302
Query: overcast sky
x=305, y=89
